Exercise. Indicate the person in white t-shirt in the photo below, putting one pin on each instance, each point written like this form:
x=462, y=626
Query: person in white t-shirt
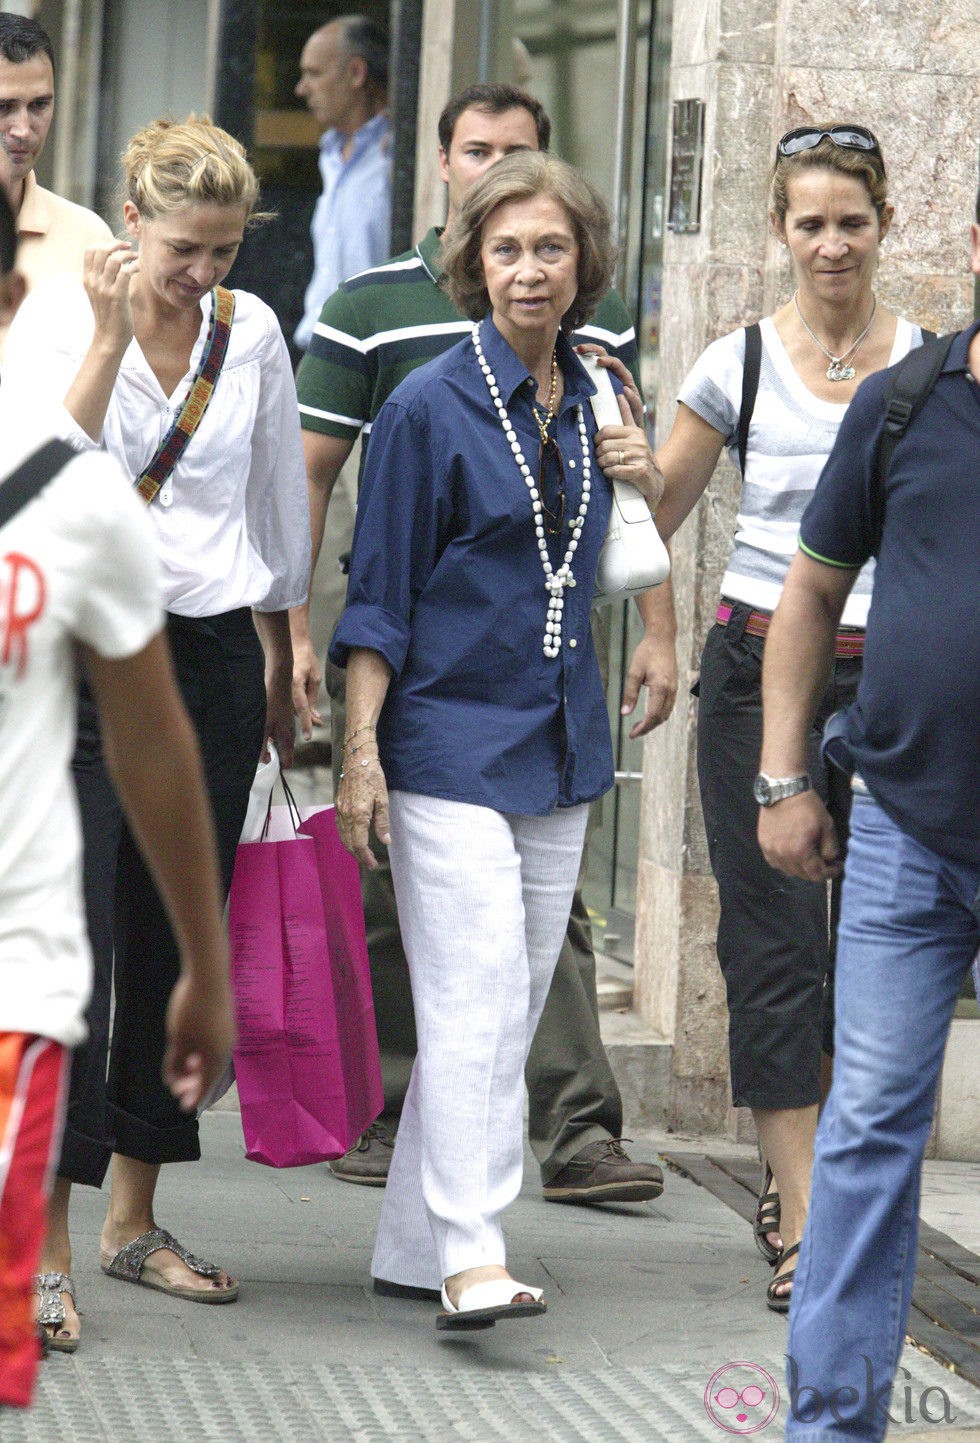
x=830, y=208
x=116, y=359
x=78, y=575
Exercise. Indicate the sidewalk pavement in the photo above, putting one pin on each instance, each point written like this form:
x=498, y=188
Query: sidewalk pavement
x=645, y=1304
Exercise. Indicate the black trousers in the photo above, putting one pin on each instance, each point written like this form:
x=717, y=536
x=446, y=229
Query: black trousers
x=775, y=932
x=83, y=1149
x=219, y=666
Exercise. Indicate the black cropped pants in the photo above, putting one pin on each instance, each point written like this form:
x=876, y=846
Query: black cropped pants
x=220, y=671
x=774, y=932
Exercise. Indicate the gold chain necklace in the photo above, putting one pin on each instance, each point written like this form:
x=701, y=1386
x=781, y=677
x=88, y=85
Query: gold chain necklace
x=549, y=415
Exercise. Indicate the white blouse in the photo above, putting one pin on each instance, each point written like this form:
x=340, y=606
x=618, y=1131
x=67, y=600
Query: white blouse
x=232, y=524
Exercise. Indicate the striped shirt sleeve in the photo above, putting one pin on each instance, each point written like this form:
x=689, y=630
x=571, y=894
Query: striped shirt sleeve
x=333, y=384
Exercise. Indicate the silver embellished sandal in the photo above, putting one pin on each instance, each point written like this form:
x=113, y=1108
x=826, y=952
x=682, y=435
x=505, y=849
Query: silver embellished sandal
x=129, y=1265
x=51, y=1311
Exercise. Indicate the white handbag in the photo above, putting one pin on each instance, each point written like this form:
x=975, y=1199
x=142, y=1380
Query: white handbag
x=633, y=557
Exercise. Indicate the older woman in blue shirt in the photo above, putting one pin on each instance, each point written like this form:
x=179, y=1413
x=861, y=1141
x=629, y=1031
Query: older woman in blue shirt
x=476, y=717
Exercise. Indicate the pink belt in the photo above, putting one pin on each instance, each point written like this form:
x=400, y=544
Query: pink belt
x=848, y=642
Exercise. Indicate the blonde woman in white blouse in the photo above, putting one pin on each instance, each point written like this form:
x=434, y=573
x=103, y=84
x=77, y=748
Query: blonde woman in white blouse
x=116, y=359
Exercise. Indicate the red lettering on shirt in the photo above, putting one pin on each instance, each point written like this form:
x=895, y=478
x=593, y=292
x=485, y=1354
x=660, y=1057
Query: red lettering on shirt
x=22, y=597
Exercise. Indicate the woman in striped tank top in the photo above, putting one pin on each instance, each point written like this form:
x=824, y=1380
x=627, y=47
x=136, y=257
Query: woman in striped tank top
x=830, y=209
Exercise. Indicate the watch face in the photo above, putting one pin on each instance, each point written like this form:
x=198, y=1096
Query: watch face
x=760, y=790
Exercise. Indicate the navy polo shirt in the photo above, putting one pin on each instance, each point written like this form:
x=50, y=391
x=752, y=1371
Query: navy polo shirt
x=914, y=728
x=446, y=582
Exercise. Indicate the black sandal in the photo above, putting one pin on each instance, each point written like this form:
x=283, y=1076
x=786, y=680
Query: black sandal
x=767, y=1220
x=779, y=1302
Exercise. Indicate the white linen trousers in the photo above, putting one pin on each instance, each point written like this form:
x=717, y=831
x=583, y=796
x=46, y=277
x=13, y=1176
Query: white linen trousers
x=483, y=902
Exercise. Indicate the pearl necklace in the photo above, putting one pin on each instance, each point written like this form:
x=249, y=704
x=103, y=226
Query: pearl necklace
x=555, y=581
x=838, y=370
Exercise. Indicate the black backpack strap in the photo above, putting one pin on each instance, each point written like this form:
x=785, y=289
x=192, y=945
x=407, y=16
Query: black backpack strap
x=751, y=368
x=911, y=383
x=31, y=477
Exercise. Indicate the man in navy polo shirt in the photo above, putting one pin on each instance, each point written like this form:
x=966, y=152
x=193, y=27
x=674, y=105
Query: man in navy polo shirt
x=909, y=924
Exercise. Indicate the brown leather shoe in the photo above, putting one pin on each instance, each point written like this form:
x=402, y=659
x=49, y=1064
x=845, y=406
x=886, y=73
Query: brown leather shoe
x=368, y=1161
x=603, y=1172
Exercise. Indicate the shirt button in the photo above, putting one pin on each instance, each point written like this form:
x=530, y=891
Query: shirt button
x=571, y=465
x=573, y=642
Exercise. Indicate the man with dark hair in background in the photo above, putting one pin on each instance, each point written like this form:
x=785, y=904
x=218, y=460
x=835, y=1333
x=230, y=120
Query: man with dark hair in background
x=53, y=232
x=344, y=81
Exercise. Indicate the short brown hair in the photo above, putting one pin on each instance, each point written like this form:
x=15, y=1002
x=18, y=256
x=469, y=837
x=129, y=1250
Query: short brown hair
x=493, y=99
x=864, y=165
x=521, y=176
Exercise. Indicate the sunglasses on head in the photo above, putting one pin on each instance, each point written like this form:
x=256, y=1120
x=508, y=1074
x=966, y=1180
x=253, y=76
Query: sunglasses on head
x=848, y=137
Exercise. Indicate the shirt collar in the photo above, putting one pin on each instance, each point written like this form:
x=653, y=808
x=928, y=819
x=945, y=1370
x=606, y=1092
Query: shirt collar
x=428, y=252
x=333, y=141
x=34, y=217
x=958, y=358
x=512, y=374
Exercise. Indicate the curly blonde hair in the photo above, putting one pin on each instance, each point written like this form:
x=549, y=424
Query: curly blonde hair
x=172, y=164
x=521, y=176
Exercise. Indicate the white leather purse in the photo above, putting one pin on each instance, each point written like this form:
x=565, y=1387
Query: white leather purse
x=633, y=557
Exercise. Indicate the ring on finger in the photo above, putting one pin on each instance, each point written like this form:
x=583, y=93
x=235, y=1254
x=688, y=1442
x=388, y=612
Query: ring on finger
x=622, y=462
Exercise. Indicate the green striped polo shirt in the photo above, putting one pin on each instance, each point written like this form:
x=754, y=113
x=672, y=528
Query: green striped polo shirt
x=381, y=324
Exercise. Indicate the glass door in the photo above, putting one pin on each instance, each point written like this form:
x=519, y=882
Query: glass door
x=568, y=50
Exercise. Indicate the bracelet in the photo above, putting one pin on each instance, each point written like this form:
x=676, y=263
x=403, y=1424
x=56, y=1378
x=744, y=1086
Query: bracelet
x=365, y=763
x=368, y=727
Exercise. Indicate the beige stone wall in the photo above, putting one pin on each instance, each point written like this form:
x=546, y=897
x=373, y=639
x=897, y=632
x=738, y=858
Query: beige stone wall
x=909, y=69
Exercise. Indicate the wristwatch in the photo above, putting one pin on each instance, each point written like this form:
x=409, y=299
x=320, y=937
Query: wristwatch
x=770, y=790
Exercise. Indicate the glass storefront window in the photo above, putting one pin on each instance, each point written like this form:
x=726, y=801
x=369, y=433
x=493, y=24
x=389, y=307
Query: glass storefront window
x=571, y=45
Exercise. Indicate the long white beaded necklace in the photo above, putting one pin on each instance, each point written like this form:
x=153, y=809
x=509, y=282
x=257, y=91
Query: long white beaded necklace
x=555, y=581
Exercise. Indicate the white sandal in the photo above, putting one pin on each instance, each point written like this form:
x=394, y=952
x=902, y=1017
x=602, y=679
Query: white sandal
x=481, y=1305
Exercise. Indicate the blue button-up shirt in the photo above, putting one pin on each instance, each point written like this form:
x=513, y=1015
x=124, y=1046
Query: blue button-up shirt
x=351, y=225
x=446, y=583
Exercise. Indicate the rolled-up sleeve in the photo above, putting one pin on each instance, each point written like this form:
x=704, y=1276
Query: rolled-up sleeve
x=403, y=510
x=277, y=508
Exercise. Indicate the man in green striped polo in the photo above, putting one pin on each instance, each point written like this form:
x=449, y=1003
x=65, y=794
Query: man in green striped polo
x=371, y=334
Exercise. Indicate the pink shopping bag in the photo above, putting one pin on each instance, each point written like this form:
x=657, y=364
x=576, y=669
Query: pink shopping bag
x=307, y=1066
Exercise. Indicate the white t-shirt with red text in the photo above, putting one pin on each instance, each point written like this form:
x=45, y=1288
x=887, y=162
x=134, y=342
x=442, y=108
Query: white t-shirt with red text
x=78, y=562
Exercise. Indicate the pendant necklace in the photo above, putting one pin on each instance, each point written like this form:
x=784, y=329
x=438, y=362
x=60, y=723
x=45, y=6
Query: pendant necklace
x=838, y=370
x=555, y=581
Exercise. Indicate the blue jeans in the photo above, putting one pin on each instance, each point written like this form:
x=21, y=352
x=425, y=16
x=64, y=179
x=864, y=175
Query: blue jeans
x=908, y=933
